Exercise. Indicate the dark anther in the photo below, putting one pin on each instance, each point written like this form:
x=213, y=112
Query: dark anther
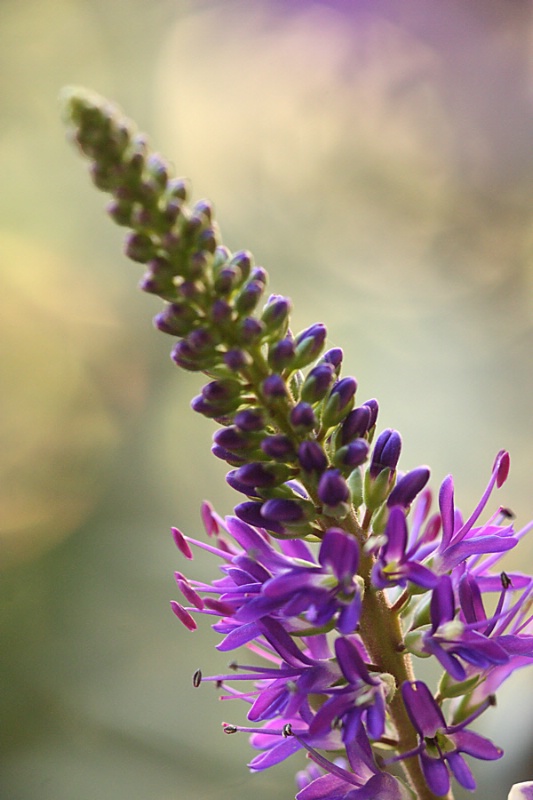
x=197, y=678
x=287, y=730
x=229, y=728
x=505, y=579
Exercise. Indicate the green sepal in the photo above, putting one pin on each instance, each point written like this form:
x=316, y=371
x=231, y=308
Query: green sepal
x=450, y=688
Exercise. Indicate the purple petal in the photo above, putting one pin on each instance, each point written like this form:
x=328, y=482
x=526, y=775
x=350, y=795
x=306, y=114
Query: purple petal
x=276, y=754
x=351, y=663
x=239, y=636
x=423, y=711
x=461, y=771
x=420, y=575
x=340, y=551
x=447, y=511
x=442, y=603
x=436, y=774
x=396, y=533
x=475, y=745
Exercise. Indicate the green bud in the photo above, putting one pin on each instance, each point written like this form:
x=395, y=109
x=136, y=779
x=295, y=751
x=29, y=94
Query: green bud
x=376, y=490
x=355, y=485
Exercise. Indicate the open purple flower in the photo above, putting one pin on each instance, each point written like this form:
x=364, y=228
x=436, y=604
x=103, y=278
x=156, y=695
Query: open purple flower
x=441, y=745
x=396, y=564
x=461, y=540
x=451, y=640
x=360, y=701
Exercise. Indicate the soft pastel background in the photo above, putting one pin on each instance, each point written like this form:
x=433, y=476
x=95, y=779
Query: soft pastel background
x=377, y=158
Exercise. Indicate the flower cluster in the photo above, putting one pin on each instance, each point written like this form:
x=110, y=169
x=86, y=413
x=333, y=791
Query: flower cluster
x=335, y=571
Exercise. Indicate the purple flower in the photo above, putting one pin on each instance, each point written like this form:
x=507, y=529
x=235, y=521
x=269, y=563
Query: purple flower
x=461, y=540
x=395, y=565
x=450, y=639
x=440, y=744
x=360, y=701
x=364, y=781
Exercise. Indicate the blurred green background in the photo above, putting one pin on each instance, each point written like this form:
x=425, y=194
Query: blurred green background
x=376, y=157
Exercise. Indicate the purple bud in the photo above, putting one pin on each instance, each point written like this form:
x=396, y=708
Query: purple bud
x=226, y=280
x=274, y=387
x=237, y=359
x=139, y=247
x=175, y=319
x=317, y=383
x=386, y=452
x=190, y=290
x=219, y=391
x=258, y=475
x=250, y=512
x=352, y=455
x=280, y=510
x=356, y=424
x=227, y=456
x=203, y=208
x=276, y=312
x=278, y=446
x=186, y=357
x=220, y=312
x=250, y=419
x=281, y=354
x=249, y=296
x=333, y=357
x=339, y=402
x=332, y=488
x=312, y=457
x=201, y=340
x=233, y=481
x=231, y=438
x=207, y=240
x=309, y=344
x=374, y=408
x=242, y=260
x=302, y=417
x=408, y=487
x=250, y=330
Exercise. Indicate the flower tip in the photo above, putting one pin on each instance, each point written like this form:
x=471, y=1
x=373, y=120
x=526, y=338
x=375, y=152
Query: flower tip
x=183, y=615
x=501, y=467
x=181, y=543
x=208, y=518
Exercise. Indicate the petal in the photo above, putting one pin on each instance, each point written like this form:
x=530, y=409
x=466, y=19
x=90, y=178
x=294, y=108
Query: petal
x=339, y=551
x=436, y=774
x=461, y=771
x=238, y=636
x=447, y=510
x=442, y=603
x=475, y=745
x=420, y=575
x=396, y=533
x=423, y=711
x=352, y=665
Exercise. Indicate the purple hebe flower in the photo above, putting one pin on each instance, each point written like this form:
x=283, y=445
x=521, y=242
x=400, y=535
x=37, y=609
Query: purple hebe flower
x=441, y=745
x=396, y=565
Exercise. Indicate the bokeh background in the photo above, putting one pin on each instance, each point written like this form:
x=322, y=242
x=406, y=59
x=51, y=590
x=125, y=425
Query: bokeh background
x=376, y=157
